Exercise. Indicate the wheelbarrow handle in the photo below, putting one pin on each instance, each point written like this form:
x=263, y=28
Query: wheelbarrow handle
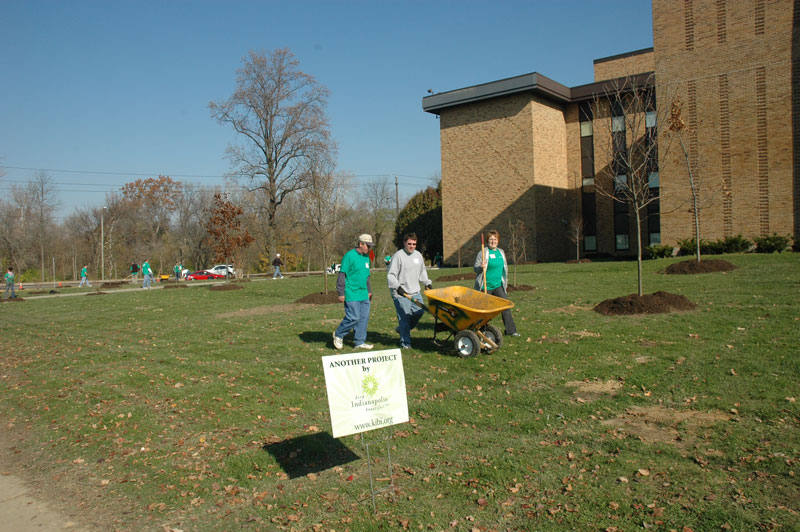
x=423, y=306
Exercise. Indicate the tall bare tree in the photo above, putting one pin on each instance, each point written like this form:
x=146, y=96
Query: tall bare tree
x=632, y=121
x=575, y=230
x=323, y=201
x=42, y=202
x=279, y=112
x=379, y=200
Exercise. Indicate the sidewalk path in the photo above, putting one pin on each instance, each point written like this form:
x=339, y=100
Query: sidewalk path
x=22, y=512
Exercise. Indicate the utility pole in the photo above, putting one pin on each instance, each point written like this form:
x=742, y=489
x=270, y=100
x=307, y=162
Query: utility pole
x=396, y=198
x=102, y=246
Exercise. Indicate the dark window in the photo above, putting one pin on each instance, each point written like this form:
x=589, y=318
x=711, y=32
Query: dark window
x=587, y=157
x=585, y=113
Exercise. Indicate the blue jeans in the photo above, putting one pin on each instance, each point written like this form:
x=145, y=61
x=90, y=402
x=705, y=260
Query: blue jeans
x=84, y=282
x=10, y=288
x=277, y=273
x=147, y=280
x=356, y=317
x=408, y=315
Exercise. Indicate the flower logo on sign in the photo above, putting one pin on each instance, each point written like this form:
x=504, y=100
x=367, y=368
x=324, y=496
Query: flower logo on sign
x=369, y=385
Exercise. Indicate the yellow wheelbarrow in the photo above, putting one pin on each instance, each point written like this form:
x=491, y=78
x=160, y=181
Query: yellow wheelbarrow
x=466, y=313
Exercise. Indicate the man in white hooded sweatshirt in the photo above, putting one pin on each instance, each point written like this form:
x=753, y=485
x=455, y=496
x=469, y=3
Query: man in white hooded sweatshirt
x=406, y=271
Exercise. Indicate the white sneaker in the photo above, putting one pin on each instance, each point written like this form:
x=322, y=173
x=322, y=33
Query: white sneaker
x=365, y=346
x=338, y=343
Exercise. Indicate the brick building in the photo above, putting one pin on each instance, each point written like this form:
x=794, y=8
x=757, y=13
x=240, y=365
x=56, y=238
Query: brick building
x=528, y=148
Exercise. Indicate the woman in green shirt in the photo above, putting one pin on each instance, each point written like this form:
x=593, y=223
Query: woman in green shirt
x=493, y=260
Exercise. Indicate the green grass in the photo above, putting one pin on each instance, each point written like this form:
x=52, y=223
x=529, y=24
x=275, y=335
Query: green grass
x=156, y=412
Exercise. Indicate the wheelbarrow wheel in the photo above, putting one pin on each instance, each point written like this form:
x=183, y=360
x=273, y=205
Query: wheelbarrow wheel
x=467, y=344
x=494, y=334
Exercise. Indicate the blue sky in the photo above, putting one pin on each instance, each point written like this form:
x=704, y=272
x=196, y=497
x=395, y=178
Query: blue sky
x=100, y=93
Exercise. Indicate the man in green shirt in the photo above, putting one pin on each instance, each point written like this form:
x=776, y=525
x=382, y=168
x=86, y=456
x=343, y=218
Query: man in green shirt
x=355, y=292
x=85, y=276
x=177, y=269
x=147, y=273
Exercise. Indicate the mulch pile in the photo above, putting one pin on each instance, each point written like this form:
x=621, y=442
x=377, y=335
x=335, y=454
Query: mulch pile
x=114, y=284
x=521, y=288
x=98, y=293
x=320, y=298
x=656, y=303
x=174, y=286
x=12, y=300
x=457, y=277
x=704, y=266
x=227, y=286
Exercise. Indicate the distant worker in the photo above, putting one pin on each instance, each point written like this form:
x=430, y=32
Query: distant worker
x=177, y=269
x=147, y=273
x=134, y=272
x=277, y=263
x=85, y=276
x=9, y=278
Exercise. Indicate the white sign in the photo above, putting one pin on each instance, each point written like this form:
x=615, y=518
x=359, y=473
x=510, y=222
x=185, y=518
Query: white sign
x=366, y=391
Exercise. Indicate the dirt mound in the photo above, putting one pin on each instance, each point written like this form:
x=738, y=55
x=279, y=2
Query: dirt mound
x=113, y=284
x=222, y=287
x=12, y=300
x=457, y=277
x=320, y=299
x=98, y=293
x=656, y=303
x=705, y=266
x=174, y=286
x=521, y=288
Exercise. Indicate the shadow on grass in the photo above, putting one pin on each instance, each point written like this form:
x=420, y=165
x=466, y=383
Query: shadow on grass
x=310, y=454
x=422, y=342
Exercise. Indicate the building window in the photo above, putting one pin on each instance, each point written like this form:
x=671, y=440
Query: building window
x=655, y=238
x=620, y=183
x=622, y=242
x=590, y=243
x=617, y=124
x=589, y=215
x=587, y=143
x=652, y=180
x=650, y=119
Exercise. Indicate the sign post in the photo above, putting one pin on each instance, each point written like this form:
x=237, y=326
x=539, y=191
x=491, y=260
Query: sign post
x=366, y=391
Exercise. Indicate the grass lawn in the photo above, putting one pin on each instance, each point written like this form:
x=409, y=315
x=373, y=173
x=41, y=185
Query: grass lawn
x=207, y=410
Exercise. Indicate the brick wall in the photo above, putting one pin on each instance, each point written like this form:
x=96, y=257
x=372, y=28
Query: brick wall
x=730, y=65
x=624, y=66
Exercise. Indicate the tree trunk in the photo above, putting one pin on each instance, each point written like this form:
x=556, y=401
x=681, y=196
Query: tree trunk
x=639, y=249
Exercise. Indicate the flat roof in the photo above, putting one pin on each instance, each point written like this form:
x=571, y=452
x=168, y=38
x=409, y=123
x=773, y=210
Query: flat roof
x=534, y=83
x=623, y=56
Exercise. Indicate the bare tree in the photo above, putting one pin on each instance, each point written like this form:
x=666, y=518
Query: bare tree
x=630, y=148
x=279, y=112
x=42, y=202
x=700, y=196
x=379, y=202
x=517, y=235
x=324, y=205
x=575, y=229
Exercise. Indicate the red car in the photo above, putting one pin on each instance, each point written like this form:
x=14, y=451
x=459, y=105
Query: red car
x=203, y=276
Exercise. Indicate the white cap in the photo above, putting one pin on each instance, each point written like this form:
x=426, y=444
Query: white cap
x=277, y=254
x=367, y=239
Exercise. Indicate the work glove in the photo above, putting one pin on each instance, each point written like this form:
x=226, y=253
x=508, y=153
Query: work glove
x=400, y=291
x=429, y=286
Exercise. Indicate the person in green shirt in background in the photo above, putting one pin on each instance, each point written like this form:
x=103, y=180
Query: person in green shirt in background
x=355, y=292
x=177, y=269
x=493, y=260
x=85, y=276
x=147, y=273
x=9, y=278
